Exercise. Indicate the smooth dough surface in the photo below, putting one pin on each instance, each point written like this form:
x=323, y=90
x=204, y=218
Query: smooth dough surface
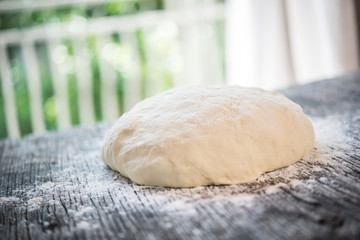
x=193, y=136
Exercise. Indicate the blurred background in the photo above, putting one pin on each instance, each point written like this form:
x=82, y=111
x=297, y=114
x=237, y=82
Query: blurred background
x=65, y=63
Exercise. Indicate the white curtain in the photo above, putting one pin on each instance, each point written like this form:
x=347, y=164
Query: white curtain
x=276, y=43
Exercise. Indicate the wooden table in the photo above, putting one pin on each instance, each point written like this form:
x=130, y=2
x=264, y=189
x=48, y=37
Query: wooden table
x=55, y=186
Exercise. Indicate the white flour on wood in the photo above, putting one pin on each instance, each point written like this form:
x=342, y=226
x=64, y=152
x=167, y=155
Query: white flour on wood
x=119, y=194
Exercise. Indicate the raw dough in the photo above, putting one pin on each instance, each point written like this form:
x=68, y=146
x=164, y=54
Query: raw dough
x=194, y=136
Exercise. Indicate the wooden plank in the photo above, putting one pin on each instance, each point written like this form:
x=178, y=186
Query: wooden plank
x=8, y=94
x=201, y=47
x=195, y=48
x=109, y=104
x=84, y=80
x=59, y=79
x=55, y=186
x=192, y=60
x=33, y=79
x=131, y=72
x=110, y=24
x=210, y=54
x=152, y=81
x=9, y=6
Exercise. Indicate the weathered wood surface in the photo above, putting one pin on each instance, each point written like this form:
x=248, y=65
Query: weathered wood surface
x=55, y=186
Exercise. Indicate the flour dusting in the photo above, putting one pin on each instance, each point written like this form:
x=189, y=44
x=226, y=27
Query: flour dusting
x=9, y=199
x=83, y=225
x=99, y=187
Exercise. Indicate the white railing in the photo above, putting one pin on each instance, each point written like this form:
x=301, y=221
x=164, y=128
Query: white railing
x=194, y=48
x=15, y=5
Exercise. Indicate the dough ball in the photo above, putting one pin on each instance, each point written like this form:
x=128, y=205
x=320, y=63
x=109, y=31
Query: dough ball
x=193, y=136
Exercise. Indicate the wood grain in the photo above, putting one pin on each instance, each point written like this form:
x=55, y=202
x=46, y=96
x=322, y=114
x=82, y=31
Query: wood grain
x=55, y=186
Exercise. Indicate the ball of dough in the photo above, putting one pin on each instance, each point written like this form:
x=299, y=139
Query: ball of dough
x=193, y=136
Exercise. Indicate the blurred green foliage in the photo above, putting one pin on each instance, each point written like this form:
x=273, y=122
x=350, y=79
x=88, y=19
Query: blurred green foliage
x=95, y=78
x=47, y=89
x=27, y=18
x=3, y=126
x=119, y=81
x=31, y=18
x=22, y=100
x=156, y=73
